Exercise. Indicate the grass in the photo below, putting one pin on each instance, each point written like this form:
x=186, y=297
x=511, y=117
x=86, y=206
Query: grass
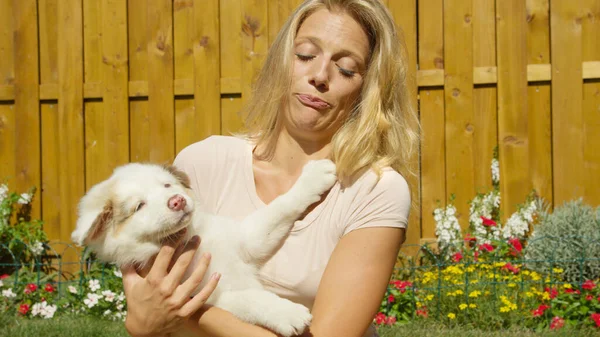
x=90, y=326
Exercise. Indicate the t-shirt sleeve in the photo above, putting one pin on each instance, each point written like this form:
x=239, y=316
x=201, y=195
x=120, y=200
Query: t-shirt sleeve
x=197, y=161
x=383, y=203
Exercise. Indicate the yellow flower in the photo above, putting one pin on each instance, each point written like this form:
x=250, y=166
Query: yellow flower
x=472, y=305
x=470, y=269
x=504, y=309
x=535, y=276
x=475, y=293
x=458, y=292
x=557, y=270
x=462, y=306
x=525, y=272
x=512, y=285
x=529, y=294
x=451, y=315
x=429, y=297
x=474, y=281
x=567, y=286
x=545, y=296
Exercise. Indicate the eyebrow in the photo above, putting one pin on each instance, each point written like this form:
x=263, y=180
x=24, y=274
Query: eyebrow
x=344, y=52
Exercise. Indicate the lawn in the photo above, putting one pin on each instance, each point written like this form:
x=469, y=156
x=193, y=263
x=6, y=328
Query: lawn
x=89, y=326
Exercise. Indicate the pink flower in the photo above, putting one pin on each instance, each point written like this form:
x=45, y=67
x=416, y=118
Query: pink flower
x=390, y=320
x=488, y=222
x=391, y=299
x=596, y=318
x=552, y=292
x=457, y=257
x=540, y=310
x=589, y=297
x=380, y=318
x=557, y=323
x=469, y=238
x=401, y=285
x=588, y=285
x=3, y=276
x=23, y=309
x=511, y=268
x=32, y=287
x=49, y=288
x=517, y=247
x=422, y=312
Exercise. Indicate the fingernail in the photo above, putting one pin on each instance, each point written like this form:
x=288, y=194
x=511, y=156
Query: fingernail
x=195, y=239
x=207, y=255
x=216, y=276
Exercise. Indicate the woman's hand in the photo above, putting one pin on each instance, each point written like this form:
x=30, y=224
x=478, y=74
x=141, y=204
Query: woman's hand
x=159, y=303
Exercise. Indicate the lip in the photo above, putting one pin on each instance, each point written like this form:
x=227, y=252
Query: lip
x=313, y=101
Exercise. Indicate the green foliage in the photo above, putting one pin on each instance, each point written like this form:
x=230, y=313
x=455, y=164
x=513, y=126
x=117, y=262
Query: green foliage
x=569, y=236
x=22, y=239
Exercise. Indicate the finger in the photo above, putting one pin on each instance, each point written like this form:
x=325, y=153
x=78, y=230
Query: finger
x=180, y=250
x=200, y=298
x=188, y=287
x=173, y=279
x=161, y=262
x=130, y=275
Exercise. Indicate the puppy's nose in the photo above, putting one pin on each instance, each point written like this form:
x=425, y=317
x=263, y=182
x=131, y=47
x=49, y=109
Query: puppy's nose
x=176, y=202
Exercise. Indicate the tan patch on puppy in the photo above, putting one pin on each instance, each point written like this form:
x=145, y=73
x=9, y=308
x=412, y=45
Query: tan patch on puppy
x=180, y=175
x=100, y=224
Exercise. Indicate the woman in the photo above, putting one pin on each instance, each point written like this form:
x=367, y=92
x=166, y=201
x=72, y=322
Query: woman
x=333, y=86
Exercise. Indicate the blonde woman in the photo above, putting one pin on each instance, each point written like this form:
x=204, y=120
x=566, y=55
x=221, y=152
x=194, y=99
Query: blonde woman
x=334, y=85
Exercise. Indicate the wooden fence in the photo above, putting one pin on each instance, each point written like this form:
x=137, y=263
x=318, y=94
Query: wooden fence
x=86, y=85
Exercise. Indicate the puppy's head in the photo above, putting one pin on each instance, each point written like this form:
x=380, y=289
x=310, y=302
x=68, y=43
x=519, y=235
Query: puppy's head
x=126, y=218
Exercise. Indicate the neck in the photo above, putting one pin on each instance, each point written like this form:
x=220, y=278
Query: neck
x=292, y=153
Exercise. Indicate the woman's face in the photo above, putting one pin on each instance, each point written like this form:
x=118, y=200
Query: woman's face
x=331, y=52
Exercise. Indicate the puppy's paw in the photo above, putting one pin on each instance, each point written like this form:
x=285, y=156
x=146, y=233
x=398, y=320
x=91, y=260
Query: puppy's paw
x=317, y=177
x=291, y=319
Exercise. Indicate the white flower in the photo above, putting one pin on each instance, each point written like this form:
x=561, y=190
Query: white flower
x=36, y=309
x=8, y=293
x=72, y=290
x=495, y=171
x=120, y=307
x=120, y=297
x=24, y=199
x=94, y=285
x=118, y=273
x=107, y=312
x=37, y=248
x=91, y=300
x=3, y=192
x=109, y=296
x=47, y=311
x=1, y=283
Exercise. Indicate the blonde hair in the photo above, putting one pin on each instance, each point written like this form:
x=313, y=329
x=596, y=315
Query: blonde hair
x=382, y=129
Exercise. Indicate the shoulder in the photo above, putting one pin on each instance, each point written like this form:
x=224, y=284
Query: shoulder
x=211, y=146
x=376, y=200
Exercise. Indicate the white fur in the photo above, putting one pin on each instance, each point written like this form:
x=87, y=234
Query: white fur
x=237, y=248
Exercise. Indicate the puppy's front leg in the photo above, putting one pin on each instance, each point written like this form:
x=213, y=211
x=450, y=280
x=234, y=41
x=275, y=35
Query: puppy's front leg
x=264, y=229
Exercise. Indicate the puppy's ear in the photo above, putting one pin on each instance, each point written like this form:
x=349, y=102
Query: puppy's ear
x=95, y=213
x=180, y=175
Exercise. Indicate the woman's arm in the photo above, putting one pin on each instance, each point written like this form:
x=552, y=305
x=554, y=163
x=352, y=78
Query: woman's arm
x=349, y=294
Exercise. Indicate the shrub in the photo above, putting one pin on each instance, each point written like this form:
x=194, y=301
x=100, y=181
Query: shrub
x=569, y=238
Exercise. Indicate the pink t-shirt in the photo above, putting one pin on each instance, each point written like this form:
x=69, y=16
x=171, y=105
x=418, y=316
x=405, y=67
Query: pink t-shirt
x=221, y=176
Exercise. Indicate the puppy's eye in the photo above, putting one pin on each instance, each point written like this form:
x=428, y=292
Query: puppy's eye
x=167, y=185
x=139, y=206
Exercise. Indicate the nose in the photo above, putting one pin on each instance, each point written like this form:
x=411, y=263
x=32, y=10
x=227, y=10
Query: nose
x=176, y=202
x=320, y=76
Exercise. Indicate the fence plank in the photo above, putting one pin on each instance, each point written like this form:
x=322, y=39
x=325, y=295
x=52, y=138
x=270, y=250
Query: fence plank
x=94, y=127
x=160, y=81
x=115, y=110
x=70, y=112
x=405, y=16
x=512, y=104
x=138, y=65
x=538, y=100
x=231, y=31
x=485, y=122
x=458, y=33
x=207, y=89
x=591, y=102
x=7, y=114
x=27, y=116
x=431, y=56
x=567, y=97
x=255, y=41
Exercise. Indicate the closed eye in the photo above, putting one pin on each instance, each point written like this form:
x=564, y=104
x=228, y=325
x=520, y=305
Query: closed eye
x=167, y=185
x=139, y=206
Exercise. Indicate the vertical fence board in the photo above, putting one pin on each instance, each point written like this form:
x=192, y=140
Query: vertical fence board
x=207, y=87
x=183, y=51
x=231, y=108
x=230, y=32
x=160, y=81
x=512, y=104
x=7, y=114
x=567, y=97
x=431, y=103
x=538, y=100
x=405, y=16
x=138, y=65
x=115, y=110
x=94, y=126
x=26, y=109
x=485, y=121
x=48, y=39
x=458, y=60
x=70, y=113
x=255, y=36
x=591, y=103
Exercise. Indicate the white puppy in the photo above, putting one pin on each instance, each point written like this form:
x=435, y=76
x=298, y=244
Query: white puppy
x=126, y=218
